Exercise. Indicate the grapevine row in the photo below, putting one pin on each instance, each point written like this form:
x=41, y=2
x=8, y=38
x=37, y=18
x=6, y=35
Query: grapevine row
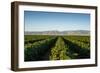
x=58, y=52
x=36, y=50
x=79, y=43
x=77, y=49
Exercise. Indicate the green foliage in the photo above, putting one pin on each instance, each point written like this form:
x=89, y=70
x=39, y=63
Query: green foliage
x=58, y=52
x=58, y=47
x=36, y=50
x=78, y=48
x=29, y=39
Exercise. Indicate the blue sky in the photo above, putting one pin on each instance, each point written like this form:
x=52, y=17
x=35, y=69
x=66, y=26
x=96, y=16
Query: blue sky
x=49, y=21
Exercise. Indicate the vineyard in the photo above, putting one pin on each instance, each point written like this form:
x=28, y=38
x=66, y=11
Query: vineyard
x=45, y=47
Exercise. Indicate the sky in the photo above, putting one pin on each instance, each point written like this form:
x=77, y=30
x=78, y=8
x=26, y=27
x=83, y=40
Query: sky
x=59, y=21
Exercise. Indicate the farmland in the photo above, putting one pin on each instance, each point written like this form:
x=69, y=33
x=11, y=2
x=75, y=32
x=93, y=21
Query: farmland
x=46, y=47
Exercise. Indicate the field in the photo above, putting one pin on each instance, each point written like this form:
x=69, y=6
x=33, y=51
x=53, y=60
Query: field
x=45, y=47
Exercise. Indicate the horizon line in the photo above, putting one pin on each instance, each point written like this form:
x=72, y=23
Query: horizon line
x=57, y=30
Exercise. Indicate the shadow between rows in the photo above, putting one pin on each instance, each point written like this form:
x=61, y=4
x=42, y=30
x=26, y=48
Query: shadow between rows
x=75, y=51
